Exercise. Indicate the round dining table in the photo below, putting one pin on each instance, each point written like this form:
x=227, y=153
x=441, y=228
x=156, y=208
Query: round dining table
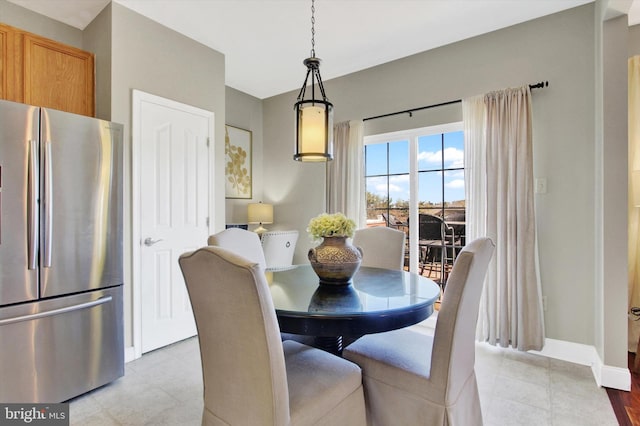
x=375, y=301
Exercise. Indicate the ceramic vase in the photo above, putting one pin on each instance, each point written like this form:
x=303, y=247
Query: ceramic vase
x=335, y=260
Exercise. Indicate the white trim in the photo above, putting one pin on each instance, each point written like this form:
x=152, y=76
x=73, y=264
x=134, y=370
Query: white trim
x=129, y=354
x=604, y=375
x=414, y=236
x=412, y=133
x=135, y=225
x=569, y=351
x=613, y=377
x=138, y=97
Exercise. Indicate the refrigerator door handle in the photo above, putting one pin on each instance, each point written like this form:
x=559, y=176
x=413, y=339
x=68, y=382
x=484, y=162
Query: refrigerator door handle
x=58, y=311
x=48, y=210
x=32, y=205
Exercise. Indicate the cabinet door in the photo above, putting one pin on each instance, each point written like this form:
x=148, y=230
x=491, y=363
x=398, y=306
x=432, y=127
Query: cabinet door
x=10, y=64
x=58, y=76
x=3, y=64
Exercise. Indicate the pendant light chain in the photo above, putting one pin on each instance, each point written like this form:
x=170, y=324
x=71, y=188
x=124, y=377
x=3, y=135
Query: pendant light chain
x=313, y=29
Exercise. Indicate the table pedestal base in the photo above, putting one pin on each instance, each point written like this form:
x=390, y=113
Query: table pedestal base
x=329, y=344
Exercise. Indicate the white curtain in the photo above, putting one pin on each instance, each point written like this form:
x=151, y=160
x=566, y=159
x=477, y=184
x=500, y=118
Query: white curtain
x=499, y=140
x=475, y=164
x=345, y=173
x=634, y=198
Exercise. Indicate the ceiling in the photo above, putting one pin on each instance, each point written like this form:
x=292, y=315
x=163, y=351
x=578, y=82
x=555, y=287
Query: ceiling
x=265, y=41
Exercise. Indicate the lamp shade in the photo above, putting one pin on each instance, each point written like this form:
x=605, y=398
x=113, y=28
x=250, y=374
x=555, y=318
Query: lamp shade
x=260, y=213
x=314, y=131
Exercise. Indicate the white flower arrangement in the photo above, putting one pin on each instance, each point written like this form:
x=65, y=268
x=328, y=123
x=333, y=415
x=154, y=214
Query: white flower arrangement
x=331, y=225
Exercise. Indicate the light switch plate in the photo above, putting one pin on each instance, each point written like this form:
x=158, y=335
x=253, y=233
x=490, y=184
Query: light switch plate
x=541, y=185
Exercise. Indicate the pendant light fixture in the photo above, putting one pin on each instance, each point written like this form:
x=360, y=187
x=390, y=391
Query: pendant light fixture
x=314, y=117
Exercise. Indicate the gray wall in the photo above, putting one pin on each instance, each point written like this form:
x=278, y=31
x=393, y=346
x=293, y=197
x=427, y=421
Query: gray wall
x=611, y=171
x=558, y=48
x=245, y=111
x=19, y=17
x=97, y=39
x=634, y=40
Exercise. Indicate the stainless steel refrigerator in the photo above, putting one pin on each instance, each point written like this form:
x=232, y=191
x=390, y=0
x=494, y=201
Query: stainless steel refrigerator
x=61, y=258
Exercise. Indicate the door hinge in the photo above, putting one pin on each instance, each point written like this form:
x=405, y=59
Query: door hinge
x=208, y=141
x=207, y=220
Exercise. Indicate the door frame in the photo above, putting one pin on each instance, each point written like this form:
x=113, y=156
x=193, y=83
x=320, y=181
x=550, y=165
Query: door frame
x=138, y=97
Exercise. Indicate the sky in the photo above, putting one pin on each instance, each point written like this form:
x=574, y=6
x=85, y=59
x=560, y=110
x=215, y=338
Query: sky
x=430, y=159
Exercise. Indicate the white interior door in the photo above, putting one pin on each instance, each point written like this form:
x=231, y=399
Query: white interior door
x=173, y=155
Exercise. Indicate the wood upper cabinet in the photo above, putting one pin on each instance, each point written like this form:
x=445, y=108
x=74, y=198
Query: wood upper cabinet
x=11, y=64
x=43, y=72
x=3, y=73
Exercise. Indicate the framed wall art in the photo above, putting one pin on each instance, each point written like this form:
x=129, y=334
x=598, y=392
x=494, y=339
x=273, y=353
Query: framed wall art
x=237, y=170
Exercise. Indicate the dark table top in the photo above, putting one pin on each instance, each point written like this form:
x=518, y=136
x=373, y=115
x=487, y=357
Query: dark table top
x=378, y=300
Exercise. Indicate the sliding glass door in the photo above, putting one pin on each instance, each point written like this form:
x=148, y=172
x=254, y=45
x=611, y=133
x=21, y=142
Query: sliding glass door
x=413, y=178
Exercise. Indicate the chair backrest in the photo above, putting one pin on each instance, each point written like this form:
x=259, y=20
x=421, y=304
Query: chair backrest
x=278, y=247
x=456, y=216
x=453, y=354
x=382, y=247
x=430, y=227
x=389, y=219
x=242, y=242
x=243, y=363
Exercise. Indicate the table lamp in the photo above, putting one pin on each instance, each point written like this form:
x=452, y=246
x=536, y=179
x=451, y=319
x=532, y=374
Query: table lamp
x=260, y=213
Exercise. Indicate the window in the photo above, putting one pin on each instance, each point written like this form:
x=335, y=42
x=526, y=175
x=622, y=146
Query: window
x=412, y=176
x=441, y=175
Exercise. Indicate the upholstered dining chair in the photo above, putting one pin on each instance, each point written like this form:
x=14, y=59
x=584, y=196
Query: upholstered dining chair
x=248, y=245
x=413, y=378
x=382, y=247
x=240, y=241
x=250, y=377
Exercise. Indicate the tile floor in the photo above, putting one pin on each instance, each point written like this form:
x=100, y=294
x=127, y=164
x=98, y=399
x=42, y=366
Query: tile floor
x=164, y=387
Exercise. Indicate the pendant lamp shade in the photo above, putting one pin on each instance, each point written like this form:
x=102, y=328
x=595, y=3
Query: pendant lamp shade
x=314, y=131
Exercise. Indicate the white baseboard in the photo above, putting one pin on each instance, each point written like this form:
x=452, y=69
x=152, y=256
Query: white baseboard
x=569, y=351
x=605, y=375
x=129, y=354
x=612, y=377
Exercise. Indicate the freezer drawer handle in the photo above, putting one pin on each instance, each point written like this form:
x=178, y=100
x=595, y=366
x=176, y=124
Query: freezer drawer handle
x=58, y=311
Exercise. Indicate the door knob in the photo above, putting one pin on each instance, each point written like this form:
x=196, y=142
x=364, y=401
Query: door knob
x=149, y=242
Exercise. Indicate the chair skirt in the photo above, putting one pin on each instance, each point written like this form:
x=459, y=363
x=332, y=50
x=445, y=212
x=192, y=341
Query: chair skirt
x=389, y=406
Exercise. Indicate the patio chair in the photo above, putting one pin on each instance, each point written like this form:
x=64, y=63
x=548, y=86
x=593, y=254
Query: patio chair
x=437, y=245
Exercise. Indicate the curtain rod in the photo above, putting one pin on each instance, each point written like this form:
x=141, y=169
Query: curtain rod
x=539, y=85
